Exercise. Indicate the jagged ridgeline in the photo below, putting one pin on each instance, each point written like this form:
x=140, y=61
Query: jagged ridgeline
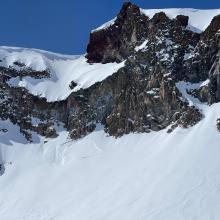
x=135, y=66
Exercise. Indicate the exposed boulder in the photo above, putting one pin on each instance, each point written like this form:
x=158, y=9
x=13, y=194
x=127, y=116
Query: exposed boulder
x=182, y=20
x=206, y=63
x=218, y=124
x=160, y=18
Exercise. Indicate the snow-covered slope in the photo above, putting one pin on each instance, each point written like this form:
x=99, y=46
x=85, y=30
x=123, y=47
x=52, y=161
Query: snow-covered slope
x=199, y=19
x=153, y=176
x=63, y=70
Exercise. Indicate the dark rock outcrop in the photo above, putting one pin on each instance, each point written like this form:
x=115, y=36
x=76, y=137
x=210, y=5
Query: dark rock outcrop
x=2, y=169
x=30, y=112
x=117, y=42
x=218, y=124
x=182, y=20
x=205, y=63
x=214, y=76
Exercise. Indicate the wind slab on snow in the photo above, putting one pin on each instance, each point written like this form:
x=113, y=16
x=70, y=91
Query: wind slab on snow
x=155, y=176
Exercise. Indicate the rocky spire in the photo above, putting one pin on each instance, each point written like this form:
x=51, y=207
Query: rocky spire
x=117, y=42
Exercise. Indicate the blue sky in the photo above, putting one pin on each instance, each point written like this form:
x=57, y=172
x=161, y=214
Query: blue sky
x=64, y=25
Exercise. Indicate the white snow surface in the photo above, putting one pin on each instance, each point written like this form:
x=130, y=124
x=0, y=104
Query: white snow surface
x=63, y=70
x=154, y=176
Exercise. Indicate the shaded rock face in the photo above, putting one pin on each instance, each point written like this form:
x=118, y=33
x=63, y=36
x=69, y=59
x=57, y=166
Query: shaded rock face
x=142, y=96
x=218, y=124
x=117, y=42
x=2, y=169
x=212, y=29
x=205, y=62
x=182, y=20
x=214, y=76
x=130, y=29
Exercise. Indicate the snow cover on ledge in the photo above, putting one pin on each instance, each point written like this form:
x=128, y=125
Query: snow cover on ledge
x=63, y=70
x=199, y=19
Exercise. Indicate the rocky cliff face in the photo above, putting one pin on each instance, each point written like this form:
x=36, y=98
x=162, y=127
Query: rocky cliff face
x=117, y=42
x=142, y=96
x=214, y=73
x=30, y=112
